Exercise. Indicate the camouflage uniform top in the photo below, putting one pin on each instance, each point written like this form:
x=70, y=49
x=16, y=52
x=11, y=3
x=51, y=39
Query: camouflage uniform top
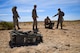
x=47, y=20
x=34, y=14
x=15, y=14
x=60, y=16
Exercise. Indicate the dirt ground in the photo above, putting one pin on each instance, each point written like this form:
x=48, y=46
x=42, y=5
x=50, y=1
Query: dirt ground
x=54, y=40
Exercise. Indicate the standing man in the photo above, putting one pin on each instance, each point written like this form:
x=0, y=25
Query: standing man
x=60, y=18
x=34, y=16
x=15, y=17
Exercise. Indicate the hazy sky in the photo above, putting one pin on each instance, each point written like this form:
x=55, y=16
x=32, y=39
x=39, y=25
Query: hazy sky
x=45, y=8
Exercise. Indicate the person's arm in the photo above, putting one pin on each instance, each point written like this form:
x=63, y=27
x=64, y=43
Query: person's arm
x=33, y=13
x=17, y=14
x=55, y=15
x=36, y=14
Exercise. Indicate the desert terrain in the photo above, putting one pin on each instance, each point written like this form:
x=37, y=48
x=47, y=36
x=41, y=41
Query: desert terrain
x=55, y=40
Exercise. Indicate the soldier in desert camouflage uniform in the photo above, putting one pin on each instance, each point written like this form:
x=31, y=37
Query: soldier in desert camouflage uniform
x=60, y=18
x=34, y=16
x=15, y=17
x=47, y=20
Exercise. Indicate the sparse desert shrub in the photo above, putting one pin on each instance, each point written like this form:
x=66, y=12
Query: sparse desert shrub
x=29, y=22
x=6, y=25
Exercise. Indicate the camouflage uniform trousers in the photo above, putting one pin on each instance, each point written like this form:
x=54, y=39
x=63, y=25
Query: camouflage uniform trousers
x=15, y=22
x=60, y=20
x=34, y=24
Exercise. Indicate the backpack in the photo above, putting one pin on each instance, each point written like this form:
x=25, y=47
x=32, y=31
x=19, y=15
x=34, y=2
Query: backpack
x=62, y=13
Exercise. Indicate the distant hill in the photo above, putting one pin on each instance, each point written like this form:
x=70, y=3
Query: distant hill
x=77, y=20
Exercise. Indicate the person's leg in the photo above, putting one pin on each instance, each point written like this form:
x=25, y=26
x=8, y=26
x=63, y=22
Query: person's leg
x=14, y=23
x=36, y=24
x=57, y=24
x=33, y=24
x=61, y=24
x=17, y=24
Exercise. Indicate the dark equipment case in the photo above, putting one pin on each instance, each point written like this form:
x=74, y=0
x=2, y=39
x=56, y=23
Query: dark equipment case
x=24, y=38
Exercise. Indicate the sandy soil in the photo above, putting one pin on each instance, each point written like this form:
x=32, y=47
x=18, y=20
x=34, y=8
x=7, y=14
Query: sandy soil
x=54, y=40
